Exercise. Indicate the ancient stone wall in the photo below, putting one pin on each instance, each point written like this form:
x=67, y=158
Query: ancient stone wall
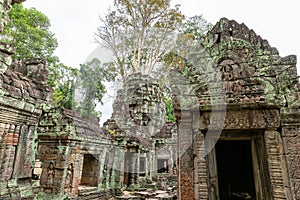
x=24, y=93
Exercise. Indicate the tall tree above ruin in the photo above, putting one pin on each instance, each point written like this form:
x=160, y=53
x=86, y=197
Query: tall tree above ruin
x=28, y=31
x=139, y=33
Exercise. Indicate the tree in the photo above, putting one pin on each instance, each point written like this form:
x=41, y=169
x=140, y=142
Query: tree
x=139, y=33
x=149, y=36
x=188, y=39
x=169, y=110
x=64, y=91
x=90, y=83
x=195, y=26
x=29, y=33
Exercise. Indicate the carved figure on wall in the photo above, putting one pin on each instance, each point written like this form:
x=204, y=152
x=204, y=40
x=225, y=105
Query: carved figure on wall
x=50, y=176
x=69, y=178
x=227, y=77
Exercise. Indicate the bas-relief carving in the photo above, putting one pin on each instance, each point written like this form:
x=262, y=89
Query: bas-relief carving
x=234, y=75
x=241, y=119
x=291, y=138
x=69, y=178
x=50, y=177
x=234, y=83
x=239, y=86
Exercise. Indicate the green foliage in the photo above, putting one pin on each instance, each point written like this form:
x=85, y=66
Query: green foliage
x=195, y=27
x=31, y=37
x=90, y=81
x=29, y=33
x=64, y=93
x=111, y=132
x=170, y=110
x=139, y=33
x=188, y=39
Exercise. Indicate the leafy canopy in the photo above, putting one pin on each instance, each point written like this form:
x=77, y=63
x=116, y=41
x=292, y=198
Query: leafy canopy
x=29, y=33
x=139, y=33
x=90, y=83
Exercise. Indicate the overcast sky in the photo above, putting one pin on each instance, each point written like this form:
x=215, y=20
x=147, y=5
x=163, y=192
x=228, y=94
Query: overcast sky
x=74, y=22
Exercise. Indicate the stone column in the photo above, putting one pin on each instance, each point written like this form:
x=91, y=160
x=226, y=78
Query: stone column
x=138, y=165
x=148, y=165
x=115, y=176
x=109, y=168
x=186, y=162
x=133, y=170
x=153, y=160
x=121, y=167
x=102, y=172
x=132, y=165
x=171, y=160
x=9, y=150
x=291, y=140
x=277, y=165
x=78, y=166
x=200, y=168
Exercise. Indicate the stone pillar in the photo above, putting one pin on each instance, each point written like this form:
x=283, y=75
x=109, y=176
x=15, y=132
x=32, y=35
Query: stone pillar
x=200, y=168
x=171, y=160
x=121, y=167
x=153, y=160
x=138, y=165
x=102, y=172
x=136, y=169
x=109, y=168
x=115, y=176
x=10, y=141
x=291, y=140
x=186, y=161
x=148, y=165
x=277, y=165
x=133, y=170
x=78, y=166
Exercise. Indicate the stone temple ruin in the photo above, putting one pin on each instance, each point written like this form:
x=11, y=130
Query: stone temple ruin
x=237, y=132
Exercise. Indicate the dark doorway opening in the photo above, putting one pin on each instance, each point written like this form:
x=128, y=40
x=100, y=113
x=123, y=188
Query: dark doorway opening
x=142, y=166
x=90, y=170
x=162, y=166
x=235, y=170
x=128, y=171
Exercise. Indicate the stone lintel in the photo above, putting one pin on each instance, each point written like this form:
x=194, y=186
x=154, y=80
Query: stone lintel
x=241, y=119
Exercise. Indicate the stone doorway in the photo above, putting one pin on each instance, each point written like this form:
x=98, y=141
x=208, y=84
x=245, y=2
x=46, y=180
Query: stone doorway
x=235, y=169
x=238, y=167
x=90, y=171
x=162, y=165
